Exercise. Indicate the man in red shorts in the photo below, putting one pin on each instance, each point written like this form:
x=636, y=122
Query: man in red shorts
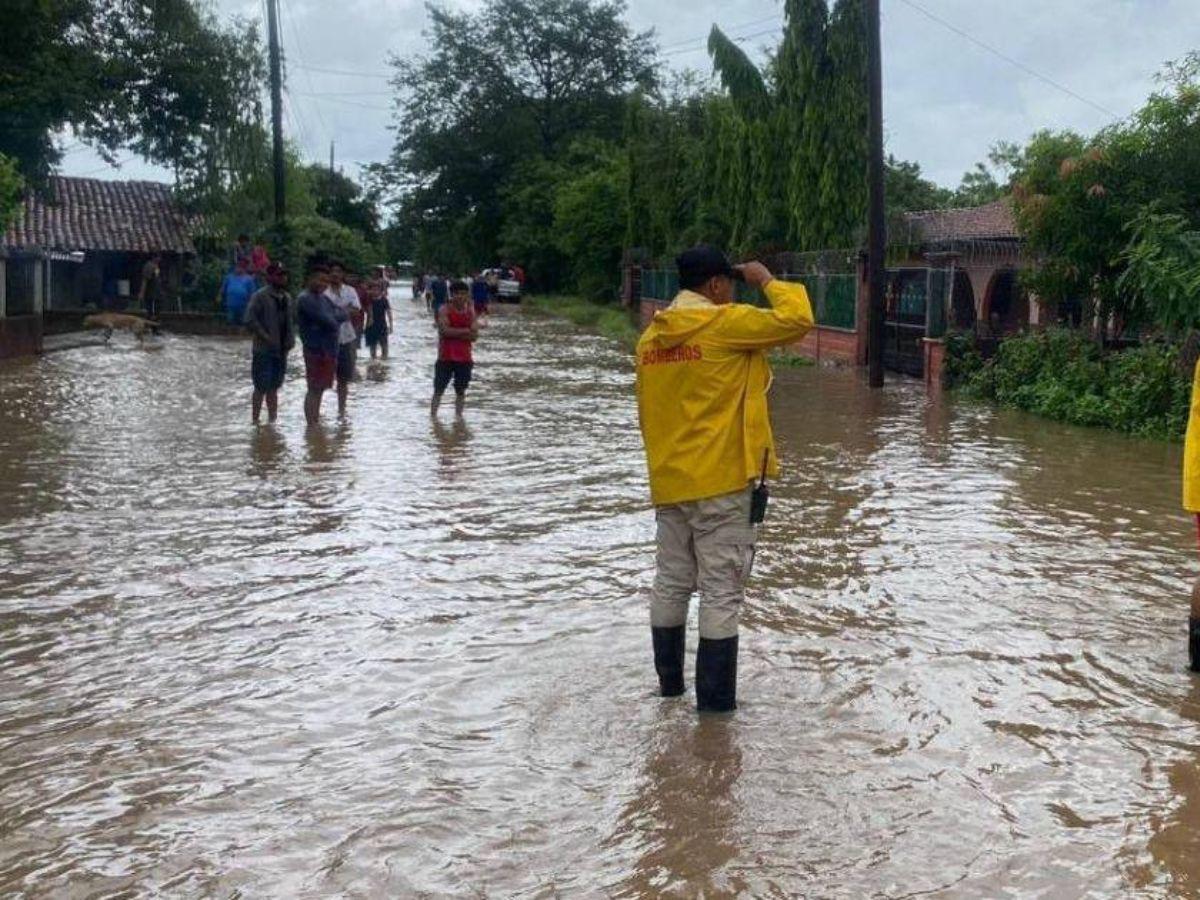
x=319, y=321
x=457, y=331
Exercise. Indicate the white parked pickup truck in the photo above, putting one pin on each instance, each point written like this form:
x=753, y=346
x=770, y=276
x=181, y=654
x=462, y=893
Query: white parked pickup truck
x=508, y=289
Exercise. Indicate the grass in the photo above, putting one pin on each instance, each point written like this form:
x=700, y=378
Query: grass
x=610, y=320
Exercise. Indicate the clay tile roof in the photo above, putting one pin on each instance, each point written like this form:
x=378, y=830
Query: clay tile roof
x=993, y=221
x=89, y=214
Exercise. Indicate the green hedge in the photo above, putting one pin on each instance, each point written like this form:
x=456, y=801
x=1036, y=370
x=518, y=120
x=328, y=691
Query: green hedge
x=1065, y=375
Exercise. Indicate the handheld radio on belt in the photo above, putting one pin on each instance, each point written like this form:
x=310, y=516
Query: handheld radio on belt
x=760, y=495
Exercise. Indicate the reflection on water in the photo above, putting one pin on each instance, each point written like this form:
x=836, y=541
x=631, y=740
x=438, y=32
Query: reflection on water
x=685, y=834
x=268, y=450
x=395, y=657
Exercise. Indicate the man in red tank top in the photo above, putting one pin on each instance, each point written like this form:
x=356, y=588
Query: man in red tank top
x=457, y=331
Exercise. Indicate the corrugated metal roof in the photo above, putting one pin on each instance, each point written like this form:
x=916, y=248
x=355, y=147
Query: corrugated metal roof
x=89, y=214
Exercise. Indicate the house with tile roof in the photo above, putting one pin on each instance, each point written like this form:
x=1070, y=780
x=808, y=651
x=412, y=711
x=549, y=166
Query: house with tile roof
x=984, y=250
x=82, y=243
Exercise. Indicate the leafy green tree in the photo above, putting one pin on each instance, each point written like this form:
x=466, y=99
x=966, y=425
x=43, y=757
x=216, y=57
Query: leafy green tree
x=515, y=80
x=1162, y=271
x=162, y=79
x=339, y=198
x=794, y=155
x=314, y=238
x=589, y=217
x=12, y=185
x=529, y=231
x=907, y=190
x=978, y=186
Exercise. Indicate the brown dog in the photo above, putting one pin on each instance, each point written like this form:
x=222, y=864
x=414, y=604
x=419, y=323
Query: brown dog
x=111, y=322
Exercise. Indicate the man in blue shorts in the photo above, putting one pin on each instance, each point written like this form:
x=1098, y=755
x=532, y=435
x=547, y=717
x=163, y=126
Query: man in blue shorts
x=269, y=319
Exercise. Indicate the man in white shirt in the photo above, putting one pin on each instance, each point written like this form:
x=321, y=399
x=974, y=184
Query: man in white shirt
x=344, y=297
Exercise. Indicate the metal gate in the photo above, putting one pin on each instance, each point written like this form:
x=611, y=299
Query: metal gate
x=915, y=308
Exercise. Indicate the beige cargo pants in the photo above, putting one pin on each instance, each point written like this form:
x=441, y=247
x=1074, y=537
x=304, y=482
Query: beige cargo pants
x=705, y=545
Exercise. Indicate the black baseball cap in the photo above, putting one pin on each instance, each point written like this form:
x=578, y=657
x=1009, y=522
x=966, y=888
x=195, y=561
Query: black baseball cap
x=700, y=263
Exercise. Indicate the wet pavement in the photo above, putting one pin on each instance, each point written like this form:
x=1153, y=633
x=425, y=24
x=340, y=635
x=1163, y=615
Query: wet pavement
x=396, y=658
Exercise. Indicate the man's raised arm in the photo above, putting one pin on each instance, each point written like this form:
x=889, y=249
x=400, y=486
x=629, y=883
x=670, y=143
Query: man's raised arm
x=790, y=317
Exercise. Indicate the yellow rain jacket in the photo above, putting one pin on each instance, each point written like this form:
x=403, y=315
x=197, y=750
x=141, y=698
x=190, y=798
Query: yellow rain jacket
x=702, y=382
x=1191, y=450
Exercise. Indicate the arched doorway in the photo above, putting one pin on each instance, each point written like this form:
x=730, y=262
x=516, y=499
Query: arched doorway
x=1006, y=305
x=962, y=307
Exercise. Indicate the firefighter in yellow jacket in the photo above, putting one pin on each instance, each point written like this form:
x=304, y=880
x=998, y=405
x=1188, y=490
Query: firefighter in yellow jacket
x=1191, y=502
x=702, y=382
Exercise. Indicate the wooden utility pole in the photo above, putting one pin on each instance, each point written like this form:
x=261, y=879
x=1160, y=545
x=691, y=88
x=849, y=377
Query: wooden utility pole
x=276, y=107
x=876, y=227
x=331, y=157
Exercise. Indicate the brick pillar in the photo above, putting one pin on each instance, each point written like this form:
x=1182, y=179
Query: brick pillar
x=862, y=312
x=935, y=361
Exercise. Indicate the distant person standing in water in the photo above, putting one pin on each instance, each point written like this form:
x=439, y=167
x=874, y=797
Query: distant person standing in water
x=235, y=291
x=269, y=320
x=480, y=296
x=150, y=293
x=379, y=318
x=345, y=298
x=457, y=331
x=319, y=323
x=702, y=381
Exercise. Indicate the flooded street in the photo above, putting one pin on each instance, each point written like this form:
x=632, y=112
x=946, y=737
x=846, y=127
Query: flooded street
x=402, y=659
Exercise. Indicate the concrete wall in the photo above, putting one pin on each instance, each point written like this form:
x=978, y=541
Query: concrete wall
x=833, y=345
x=20, y=336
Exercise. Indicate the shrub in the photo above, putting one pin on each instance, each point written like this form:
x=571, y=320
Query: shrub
x=309, y=238
x=963, y=358
x=1064, y=375
x=198, y=295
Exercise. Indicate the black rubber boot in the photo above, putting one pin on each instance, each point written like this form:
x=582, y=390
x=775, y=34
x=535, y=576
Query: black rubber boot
x=1194, y=642
x=668, y=658
x=716, y=675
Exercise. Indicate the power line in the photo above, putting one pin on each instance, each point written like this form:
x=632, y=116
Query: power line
x=359, y=74
x=1008, y=59
x=292, y=112
x=107, y=167
x=741, y=38
x=344, y=93
x=346, y=102
x=307, y=77
x=704, y=37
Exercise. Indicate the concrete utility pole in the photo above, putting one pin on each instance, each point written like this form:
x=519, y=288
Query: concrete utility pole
x=331, y=157
x=276, y=107
x=876, y=227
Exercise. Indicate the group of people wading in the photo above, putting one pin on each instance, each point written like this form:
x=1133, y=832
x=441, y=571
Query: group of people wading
x=332, y=317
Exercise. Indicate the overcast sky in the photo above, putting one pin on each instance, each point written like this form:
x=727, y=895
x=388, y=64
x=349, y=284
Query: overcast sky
x=947, y=98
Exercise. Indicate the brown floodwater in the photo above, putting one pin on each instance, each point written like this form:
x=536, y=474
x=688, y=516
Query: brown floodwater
x=395, y=658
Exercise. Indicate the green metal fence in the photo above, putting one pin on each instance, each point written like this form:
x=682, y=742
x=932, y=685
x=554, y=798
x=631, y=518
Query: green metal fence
x=833, y=297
